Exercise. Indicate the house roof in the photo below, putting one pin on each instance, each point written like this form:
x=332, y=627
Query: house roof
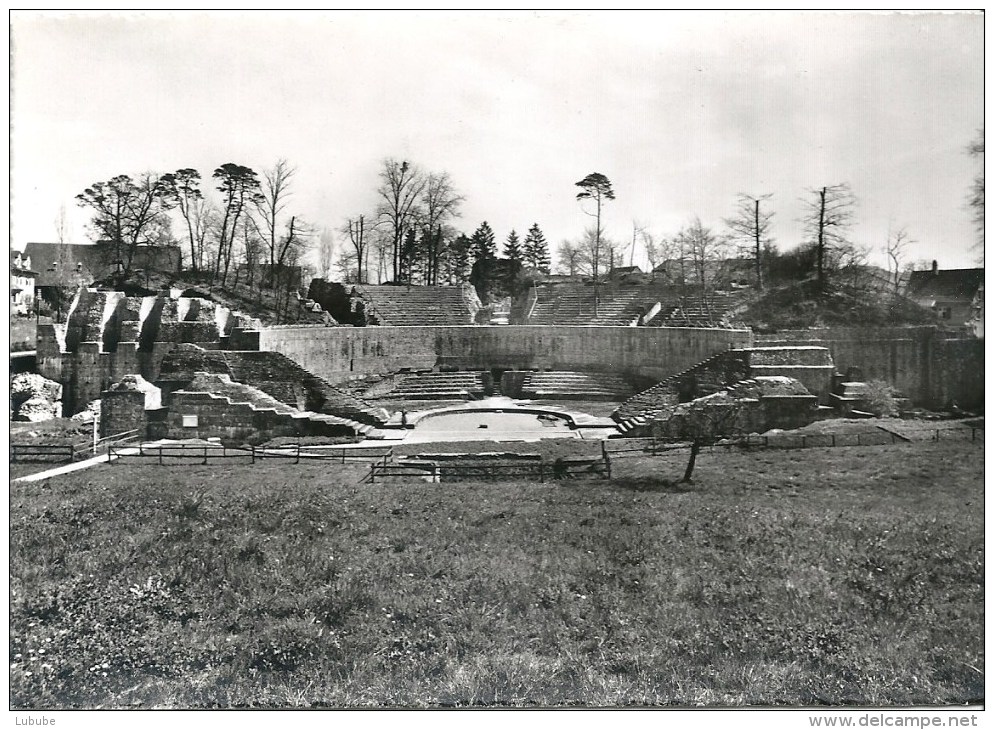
x=945, y=284
x=95, y=259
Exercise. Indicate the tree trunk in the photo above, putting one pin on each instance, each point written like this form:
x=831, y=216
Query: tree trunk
x=759, y=250
x=821, y=239
x=695, y=448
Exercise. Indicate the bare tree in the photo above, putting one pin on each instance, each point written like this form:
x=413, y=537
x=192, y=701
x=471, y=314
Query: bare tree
x=751, y=225
x=358, y=232
x=401, y=185
x=64, y=276
x=592, y=250
x=325, y=254
x=896, y=249
x=706, y=250
x=348, y=267
x=827, y=218
x=127, y=213
x=702, y=422
x=253, y=252
x=62, y=226
x=568, y=257
x=440, y=203
x=274, y=193
x=976, y=199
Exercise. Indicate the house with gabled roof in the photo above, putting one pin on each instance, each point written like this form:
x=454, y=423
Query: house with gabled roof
x=951, y=293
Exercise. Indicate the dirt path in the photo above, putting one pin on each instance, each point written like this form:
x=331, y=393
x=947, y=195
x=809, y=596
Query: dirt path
x=76, y=466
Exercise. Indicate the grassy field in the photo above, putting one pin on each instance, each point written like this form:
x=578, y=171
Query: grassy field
x=815, y=577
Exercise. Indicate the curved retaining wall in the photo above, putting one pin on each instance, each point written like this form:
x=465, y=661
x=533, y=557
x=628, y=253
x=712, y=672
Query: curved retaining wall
x=339, y=353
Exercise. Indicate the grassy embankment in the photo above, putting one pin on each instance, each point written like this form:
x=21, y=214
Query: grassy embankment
x=822, y=576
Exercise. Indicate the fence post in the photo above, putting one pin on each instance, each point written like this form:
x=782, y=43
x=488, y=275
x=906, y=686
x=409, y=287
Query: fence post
x=804, y=441
x=160, y=454
x=298, y=453
x=858, y=441
x=893, y=437
x=253, y=453
x=205, y=456
x=973, y=434
x=833, y=439
x=936, y=434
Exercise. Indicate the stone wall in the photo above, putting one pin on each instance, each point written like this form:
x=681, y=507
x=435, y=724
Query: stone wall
x=203, y=415
x=931, y=367
x=339, y=353
x=122, y=411
x=108, y=335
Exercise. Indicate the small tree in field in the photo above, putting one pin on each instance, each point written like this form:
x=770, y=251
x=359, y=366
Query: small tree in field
x=703, y=422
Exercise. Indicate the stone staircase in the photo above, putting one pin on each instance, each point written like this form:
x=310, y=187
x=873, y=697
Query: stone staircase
x=575, y=305
x=277, y=376
x=416, y=306
x=255, y=402
x=462, y=385
x=706, y=377
x=571, y=385
x=812, y=366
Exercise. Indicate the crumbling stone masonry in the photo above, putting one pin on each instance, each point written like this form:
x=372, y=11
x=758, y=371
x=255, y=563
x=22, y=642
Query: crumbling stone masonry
x=108, y=335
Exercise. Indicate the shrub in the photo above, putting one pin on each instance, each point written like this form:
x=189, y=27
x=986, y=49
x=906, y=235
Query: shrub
x=879, y=399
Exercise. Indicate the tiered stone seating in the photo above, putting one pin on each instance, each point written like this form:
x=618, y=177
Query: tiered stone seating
x=697, y=311
x=414, y=306
x=565, y=384
x=440, y=386
x=575, y=305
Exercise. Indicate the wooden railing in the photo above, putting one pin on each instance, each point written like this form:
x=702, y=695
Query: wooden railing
x=876, y=437
x=45, y=452
x=454, y=467
x=206, y=452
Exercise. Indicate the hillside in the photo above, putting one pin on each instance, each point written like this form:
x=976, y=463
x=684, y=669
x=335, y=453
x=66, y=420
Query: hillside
x=254, y=301
x=802, y=304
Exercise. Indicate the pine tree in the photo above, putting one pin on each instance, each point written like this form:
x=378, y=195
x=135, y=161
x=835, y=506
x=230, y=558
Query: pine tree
x=484, y=244
x=536, y=250
x=512, y=248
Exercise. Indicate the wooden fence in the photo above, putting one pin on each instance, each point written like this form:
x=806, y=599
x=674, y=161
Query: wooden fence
x=327, y=453
x=205, y=453
x=455, y=467
x=877, y=437
x=57, y=453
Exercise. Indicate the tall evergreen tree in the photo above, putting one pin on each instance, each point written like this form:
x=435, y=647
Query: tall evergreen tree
x=512, y=247
x=536, y=250
x=484, y=243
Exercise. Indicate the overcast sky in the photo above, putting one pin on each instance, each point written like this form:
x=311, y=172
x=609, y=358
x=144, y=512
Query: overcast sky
x=681, y=112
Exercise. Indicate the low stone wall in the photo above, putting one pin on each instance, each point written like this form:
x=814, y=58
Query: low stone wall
x=932, y=367
x=339, y=353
